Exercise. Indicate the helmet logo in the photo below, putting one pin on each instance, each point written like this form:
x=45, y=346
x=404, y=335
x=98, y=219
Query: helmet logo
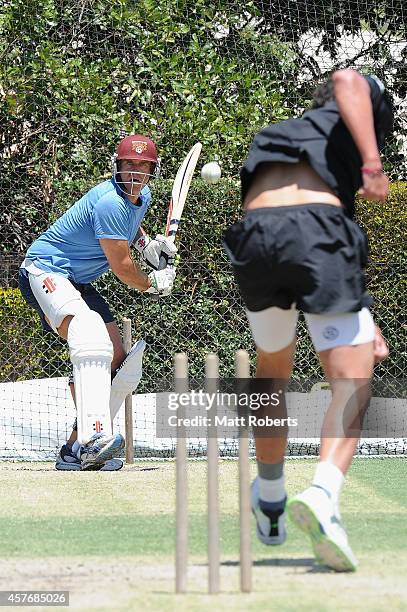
x=138, y=146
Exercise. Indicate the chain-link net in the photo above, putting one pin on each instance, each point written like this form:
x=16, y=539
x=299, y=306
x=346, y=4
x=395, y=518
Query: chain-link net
x=75, y=75
x=38, y=413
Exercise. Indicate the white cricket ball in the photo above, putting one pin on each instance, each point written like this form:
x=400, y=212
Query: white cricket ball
x=211, y=172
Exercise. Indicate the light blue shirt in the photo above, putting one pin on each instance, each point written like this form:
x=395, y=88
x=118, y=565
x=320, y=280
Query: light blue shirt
x=71, y=245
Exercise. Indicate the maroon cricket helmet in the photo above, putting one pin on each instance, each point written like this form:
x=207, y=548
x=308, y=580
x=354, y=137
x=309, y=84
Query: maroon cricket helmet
x=137, y=147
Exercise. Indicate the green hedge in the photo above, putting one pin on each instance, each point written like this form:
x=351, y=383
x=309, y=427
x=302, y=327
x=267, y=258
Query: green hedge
x=26, y=351
x=205, y=311
x=386, y=225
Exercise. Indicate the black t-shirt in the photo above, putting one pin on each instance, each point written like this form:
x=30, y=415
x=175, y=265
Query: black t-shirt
x=321, y=138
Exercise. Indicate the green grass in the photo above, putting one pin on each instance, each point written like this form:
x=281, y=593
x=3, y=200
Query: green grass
x=109, y=539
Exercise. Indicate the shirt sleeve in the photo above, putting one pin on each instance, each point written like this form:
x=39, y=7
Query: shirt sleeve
x=110, y=218
x=376, y=91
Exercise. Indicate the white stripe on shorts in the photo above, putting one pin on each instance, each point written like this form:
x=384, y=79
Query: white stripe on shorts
x=273, y=329
x=347, y=329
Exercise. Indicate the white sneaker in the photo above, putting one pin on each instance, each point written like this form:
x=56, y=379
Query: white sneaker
x=270, y=518
x=99, y=449
x=314, y=513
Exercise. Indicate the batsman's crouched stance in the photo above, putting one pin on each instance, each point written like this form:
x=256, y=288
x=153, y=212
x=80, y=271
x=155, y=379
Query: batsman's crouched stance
x=91, y=353
x=55, y=278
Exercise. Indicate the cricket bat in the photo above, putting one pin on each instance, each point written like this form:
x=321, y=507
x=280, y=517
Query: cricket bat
x=179, y=194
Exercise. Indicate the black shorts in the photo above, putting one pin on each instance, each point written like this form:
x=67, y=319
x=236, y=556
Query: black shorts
x=310, y=255
x=88, y=293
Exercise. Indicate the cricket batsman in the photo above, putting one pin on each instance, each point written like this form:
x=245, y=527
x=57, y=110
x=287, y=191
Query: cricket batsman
x=91, y=237
x=298, y=248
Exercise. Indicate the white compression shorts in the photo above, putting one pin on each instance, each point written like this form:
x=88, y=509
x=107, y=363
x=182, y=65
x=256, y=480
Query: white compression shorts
x=273, y=329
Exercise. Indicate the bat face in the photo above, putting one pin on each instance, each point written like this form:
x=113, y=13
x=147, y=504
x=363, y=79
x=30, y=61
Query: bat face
x=180, y=189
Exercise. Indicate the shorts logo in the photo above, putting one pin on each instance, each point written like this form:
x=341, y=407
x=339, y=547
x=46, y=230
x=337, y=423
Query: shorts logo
x=330, y=332
x=48, y=285
x=141, y=242
x=97, y=426
x=138, y=146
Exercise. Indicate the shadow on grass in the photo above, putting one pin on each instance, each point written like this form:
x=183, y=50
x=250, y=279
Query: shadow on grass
x=34, y=467
x=294, y=562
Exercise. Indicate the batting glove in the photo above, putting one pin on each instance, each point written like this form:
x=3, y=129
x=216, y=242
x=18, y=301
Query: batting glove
x=162, y=281
x=151, y=250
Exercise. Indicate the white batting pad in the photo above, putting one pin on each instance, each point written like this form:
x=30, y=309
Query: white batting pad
x=91, y=352
x=127, y=378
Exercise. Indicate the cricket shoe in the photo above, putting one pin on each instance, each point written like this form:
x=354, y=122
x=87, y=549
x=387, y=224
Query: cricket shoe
x=99, y=449
x=313, y=511
x=270, y=518
x=67, y=461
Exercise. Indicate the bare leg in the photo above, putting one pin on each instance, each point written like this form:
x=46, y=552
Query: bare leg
x=348, y=369
x=119, y=354
x=268, y=489
x=74, y=433
x=276, y=365
x=316, y=510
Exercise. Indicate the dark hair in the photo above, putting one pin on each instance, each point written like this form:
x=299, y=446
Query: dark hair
x=324, y=93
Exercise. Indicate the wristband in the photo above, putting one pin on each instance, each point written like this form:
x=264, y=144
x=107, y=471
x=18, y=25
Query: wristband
x=371, y=172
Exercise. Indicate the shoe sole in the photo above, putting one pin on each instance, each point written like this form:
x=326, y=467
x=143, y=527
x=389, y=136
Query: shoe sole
x=326, y=551
x=68, y=467
x=109, y=451
x=112, y=465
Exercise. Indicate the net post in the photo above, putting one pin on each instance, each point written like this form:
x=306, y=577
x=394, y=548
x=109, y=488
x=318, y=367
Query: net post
x=211, y=383
x=242, y=370
x=181, y=480
x=128, y=402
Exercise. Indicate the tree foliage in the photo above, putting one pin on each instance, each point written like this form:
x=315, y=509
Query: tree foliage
x=73, y=75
